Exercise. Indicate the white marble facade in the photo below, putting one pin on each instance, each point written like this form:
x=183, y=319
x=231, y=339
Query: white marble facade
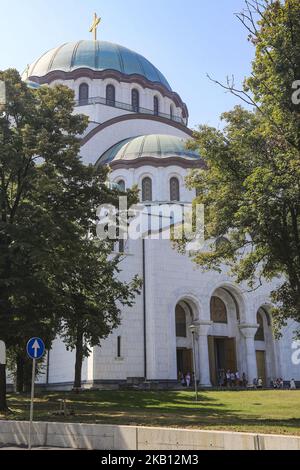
x=149, y=348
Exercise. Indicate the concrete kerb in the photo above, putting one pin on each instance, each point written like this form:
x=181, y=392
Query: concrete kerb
x=111, y=437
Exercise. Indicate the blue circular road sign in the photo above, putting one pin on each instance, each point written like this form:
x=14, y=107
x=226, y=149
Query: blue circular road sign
x=35, y=348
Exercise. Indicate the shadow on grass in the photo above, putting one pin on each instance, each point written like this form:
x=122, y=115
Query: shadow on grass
x=172, y=409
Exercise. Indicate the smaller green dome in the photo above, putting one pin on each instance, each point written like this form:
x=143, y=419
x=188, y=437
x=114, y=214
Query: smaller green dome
x=32, y=85
x=154, y=145
x=113, y=186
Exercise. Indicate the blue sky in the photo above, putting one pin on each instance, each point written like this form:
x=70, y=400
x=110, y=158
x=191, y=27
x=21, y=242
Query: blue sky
x=185, y=39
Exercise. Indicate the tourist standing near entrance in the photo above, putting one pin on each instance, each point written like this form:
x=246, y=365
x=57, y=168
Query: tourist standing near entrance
x=228, y=378
x=232, y=379
x=188, y=379
x=182, y=380
x=259, y=383
x=292, y=384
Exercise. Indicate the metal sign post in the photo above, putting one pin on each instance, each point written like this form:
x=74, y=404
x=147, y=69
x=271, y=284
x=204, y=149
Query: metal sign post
x=35, y=350
x=31, y=403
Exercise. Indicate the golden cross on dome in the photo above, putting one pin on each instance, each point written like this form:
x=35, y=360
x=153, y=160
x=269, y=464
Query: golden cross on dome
x=95, y=25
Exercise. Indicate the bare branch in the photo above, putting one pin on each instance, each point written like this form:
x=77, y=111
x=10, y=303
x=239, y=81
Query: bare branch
x=231, y=89
x=260, y=283
x=246, y=98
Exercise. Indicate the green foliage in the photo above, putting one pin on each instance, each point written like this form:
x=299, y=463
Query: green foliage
x=39, y=147
x=53, y=275
x=251, y=187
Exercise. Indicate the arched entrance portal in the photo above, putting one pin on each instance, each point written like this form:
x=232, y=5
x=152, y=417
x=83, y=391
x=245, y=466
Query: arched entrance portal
x=223, y=340
x=184, y=347
x=264, y=347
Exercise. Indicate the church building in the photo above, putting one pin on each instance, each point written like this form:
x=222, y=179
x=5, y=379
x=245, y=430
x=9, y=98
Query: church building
x=138, y=125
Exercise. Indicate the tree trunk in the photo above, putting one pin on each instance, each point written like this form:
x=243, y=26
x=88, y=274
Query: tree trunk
x=79, y=359
x=3, y=405
x=27, y=375
x=20, y=373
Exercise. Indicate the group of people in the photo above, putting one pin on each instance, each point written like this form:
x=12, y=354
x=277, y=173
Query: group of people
x=232, y=379
x=185, y=379
x=279, y=384
x=258, y=383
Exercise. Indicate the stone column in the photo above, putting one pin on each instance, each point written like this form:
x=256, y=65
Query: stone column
x=204, y=372
x=248, y=331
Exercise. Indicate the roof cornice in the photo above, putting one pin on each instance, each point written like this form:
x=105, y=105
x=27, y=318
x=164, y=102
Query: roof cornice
x=156, y=162
x=134, y=116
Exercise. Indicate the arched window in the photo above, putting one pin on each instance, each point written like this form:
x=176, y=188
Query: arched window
x=83, y=93
x=135, y=100
x=218, y=311
x=110, y=95
x=121, y=184
x=174, y=189
x=121, y=245
x=156, y=105
x=260, y=334
x=119, y=346
x=180, y=322
x=172, y=111
x=147, y=189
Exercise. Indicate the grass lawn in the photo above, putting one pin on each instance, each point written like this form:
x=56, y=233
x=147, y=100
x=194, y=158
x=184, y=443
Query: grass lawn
x=268, y=411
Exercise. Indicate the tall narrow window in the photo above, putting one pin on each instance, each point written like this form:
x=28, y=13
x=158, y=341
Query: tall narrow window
x=156, y=106
x=218, y=311
x=110, y=95
x=121, y=245
x=121, y=184
x=260, y=334
x=174, y=189
x=83, y=93
x=119, y=346
x=146, y=189
x=172, y=111
x=180, y=322
x=135, y=100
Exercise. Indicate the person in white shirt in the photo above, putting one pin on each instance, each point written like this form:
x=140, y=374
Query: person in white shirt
x=259, y=383
x=188, y=379
x=292, y=384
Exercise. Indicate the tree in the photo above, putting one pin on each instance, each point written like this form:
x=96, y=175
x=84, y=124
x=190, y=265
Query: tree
x=48, y=203
x=38, y=145
x=251, y=185
x=95, y=294
x=91, y=293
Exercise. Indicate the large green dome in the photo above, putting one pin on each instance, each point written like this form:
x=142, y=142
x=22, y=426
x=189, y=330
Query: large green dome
x=154, y=145
x=98, y=56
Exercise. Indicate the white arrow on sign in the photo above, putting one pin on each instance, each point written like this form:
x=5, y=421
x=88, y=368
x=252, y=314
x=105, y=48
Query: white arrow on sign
x=36, y=346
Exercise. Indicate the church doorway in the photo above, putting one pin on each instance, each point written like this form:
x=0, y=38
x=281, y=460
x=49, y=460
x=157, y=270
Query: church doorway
x=222, y=357
x=261, y=366
x=184, y=361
